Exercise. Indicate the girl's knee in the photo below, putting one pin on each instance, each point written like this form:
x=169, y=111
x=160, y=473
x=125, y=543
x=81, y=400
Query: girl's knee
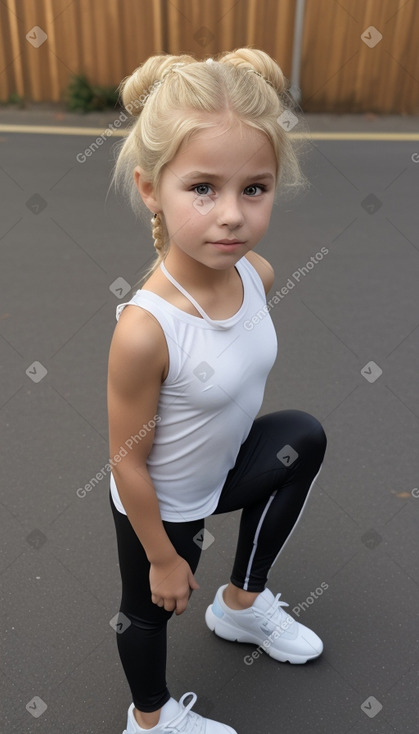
x=304, y=429
x=315, y=428
x=314, y=436
x=296, y=429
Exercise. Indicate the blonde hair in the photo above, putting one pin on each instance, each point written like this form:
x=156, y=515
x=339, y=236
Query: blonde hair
x=168, y=97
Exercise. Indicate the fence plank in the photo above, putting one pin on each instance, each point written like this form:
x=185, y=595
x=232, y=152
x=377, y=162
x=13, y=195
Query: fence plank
x=106, y=41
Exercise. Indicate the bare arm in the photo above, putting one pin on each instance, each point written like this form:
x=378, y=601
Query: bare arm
x=137, y=365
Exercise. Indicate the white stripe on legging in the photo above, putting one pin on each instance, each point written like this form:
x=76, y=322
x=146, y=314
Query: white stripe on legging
x=259, y=527
x=255, y=540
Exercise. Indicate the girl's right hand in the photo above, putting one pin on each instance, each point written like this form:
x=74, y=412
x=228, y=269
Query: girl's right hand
x=171, y=584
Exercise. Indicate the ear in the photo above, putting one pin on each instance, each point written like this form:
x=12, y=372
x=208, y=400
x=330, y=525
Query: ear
x=146, y=190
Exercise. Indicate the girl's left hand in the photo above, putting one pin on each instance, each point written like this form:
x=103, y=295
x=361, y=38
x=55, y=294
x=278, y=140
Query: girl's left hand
x=171, y=584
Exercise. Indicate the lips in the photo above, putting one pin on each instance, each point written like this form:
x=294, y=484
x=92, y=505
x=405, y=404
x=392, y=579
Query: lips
x=228, y=245
x=228, y=242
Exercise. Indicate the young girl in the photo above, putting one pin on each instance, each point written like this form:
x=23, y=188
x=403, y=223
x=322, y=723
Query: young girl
x=187, y=369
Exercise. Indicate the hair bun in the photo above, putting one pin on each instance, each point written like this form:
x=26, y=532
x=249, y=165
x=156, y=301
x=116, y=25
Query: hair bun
x=260, y=62
x=134, y=89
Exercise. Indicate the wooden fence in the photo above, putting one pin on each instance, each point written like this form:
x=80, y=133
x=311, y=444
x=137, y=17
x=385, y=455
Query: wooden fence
x=44, y=43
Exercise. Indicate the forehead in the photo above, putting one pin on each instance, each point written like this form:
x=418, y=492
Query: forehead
x=226, y=143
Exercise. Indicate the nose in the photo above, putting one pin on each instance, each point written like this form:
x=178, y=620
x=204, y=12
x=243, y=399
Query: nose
x=229, y=211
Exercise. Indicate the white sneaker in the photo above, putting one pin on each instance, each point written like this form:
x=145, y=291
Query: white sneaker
x=265, y=624
x=176, y=718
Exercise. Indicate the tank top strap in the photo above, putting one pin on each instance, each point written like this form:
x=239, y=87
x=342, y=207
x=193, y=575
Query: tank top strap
x=184, y=292
x=221, y=324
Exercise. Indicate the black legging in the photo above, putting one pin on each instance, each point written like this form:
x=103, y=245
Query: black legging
x=274, y=471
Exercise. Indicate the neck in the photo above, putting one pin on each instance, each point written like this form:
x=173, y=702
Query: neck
x=191, y=273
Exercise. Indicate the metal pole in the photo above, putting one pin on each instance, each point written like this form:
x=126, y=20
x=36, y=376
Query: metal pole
x=295, y=89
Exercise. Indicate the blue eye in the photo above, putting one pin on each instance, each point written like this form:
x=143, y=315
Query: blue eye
x=201, y=186
x=204, y=189
x=255, y=186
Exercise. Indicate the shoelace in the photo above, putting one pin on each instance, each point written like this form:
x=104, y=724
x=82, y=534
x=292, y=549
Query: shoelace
x=276, y=607
x=276, y=611
x=187, y=720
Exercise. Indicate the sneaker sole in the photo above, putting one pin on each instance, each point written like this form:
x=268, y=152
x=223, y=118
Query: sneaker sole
x=227, y=632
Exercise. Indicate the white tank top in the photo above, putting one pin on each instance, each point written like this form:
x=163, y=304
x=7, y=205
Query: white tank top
x=210, y=397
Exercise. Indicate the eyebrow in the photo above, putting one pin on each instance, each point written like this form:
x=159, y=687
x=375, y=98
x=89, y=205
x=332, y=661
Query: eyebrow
x=192, y=175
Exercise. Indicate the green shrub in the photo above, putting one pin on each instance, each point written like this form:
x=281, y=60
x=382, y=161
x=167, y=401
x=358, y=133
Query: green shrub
x=85, y=97
x=14, y=98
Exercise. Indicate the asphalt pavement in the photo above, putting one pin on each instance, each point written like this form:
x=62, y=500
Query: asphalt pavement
x=346, y=257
